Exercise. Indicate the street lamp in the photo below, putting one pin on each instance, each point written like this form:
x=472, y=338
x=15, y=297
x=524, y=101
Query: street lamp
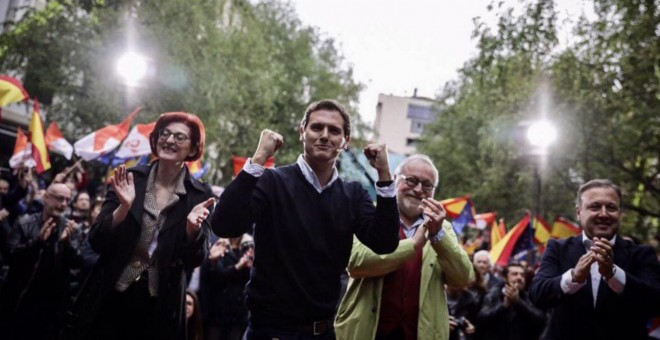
x=540, y=135
x=132, y=68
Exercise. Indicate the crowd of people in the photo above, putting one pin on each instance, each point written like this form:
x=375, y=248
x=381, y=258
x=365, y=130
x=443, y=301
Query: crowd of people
x=296, y=252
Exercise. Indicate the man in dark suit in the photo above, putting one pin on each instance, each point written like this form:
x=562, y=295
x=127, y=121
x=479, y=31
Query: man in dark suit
x=600, y=285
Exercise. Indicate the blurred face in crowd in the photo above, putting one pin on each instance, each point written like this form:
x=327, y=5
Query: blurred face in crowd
x=515, y=277
x=414, y=183
x=599, y=212
x=4, y=187
x=190, y=306
x=323, y=136
x=174, y=143
x=56, y=199
x=482, y=263
x=82, y=202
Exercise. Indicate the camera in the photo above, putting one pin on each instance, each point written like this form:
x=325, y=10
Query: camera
x=462, y=324
x=246, y=246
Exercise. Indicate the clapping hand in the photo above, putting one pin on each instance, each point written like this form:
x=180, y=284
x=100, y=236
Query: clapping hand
x=197, y=215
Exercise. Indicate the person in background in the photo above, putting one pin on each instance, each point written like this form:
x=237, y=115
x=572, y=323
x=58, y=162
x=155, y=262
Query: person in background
x=507, y=313
x=150, y=235
x=80, y=209
x=193, y=317
x=484, y=265
x=227, y=276
x=42, y=250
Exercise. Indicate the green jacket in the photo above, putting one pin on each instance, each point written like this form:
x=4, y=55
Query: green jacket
x=443, y=263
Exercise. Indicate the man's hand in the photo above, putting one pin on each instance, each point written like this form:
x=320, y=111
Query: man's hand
x=604, y=255
x=583, y=267
x=68, y=231
x=3, y=214
x=419, y=239
x=123, y=186
x=47, y=229
x=196, y=216
x=510, y=295
x=218, y=249
x=269, y=143
x=377, y=156
x=434, y=214
x=24, y=177
x=246, y=260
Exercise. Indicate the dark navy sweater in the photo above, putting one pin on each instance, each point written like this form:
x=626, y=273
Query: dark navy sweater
x=302, y=240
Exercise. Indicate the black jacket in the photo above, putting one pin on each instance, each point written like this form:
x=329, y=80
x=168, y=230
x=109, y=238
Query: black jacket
x=176, y=259
x=616, y=316
x=520, y=321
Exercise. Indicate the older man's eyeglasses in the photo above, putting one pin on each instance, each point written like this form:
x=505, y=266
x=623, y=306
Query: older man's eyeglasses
x=412, y=183
x=59, y=198
x=179, y=137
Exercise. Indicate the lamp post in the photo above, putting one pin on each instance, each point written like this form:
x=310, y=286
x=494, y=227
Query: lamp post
x=540, y=135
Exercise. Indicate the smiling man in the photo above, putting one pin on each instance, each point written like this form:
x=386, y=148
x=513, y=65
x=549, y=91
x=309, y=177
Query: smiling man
x=600, y=285
x=304, y=219
x=402, y=295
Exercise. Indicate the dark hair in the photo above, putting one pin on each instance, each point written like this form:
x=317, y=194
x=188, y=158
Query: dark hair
x=194, y=324
x=75, y=197
x=598, y=183
x=197, y=132
x=330, y=105
x=512, y=264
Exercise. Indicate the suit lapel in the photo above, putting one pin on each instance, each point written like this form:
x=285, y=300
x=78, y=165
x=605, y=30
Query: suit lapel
x=140, y=178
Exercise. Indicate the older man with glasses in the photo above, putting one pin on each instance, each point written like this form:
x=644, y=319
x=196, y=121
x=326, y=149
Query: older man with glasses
x=401, y=295
x=42, y=248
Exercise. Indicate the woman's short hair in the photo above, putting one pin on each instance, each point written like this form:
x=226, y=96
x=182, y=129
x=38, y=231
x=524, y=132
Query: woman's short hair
x=197, y=132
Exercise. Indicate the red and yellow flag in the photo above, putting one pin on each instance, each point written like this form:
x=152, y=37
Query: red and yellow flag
x=497, y=233
x=11, y=91
x=541, y=230
x=39, y=150
x=502, y=251
x=563, y=228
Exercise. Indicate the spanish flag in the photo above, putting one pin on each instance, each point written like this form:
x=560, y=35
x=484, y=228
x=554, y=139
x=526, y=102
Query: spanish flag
x=11, y=91
x=541, y=230
x=39, y=150
x=504, y=249
x=563, y=228
x=497, y=232
x=460, y=210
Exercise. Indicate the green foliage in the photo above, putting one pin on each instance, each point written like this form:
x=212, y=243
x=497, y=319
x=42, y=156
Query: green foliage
x=241, y=67
x=601, y=93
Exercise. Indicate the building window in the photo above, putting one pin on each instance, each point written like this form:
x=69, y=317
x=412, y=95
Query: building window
x=411, y=142
x=417, y=126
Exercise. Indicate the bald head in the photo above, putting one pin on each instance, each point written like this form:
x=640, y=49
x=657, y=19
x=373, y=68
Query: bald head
x=4, y=186
x=57, y=199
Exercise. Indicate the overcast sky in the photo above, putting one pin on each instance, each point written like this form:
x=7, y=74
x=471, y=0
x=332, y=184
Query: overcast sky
x=396, y=46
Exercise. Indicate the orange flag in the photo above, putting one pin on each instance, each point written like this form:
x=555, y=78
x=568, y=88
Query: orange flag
x=56, y=143
x=22, y=153
x=497, y=232
x=39, y=150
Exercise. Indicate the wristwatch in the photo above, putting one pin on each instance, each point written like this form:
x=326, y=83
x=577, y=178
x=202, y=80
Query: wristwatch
x=437, y=236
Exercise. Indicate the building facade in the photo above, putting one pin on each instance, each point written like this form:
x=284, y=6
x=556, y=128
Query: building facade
x=400, y=121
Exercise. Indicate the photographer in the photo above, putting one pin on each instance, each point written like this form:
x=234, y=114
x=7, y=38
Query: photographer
x=223, y=279
x=462, y=306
